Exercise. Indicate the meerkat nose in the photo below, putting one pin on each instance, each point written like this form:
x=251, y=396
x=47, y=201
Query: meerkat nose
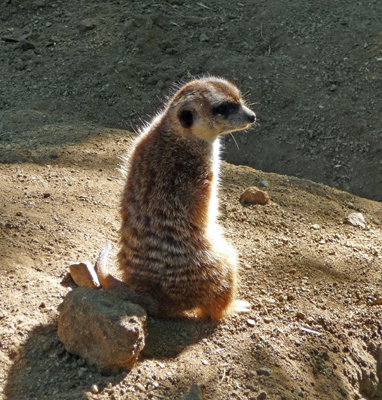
x=251, y=117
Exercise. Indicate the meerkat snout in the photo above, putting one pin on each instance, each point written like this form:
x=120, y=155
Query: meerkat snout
x=250, y=115
x=208, y=108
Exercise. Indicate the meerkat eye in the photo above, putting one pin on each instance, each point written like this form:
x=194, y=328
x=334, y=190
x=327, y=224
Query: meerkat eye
x=225, y=109
x=186, y=118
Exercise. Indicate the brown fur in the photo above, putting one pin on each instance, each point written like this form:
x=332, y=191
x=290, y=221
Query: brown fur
x=173, y=256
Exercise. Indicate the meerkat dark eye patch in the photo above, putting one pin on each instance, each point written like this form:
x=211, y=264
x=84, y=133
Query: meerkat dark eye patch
x=225, y=109
x=186, y=118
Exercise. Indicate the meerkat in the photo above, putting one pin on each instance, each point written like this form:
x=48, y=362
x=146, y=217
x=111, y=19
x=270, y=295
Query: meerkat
x=173, y=255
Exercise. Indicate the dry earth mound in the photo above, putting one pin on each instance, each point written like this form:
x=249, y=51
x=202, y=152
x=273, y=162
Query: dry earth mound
x=312, y=276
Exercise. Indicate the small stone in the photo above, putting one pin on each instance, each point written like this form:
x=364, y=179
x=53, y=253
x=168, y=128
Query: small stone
x=262, y=396
x=267, y=320
x=204, y=362
x=377, y=300
x=195, y=393
x=25, y=45
x=264, y=371
x=19, y=214
x=282, y=298
x=316, y=227
x=251, y=322
x=94, y=389
x=84, y=274
x=39, y=3
x=333, y=88
x=263, y=184
x=254, y=195
x=82, y=372
x=290, y=296
x=356, y=219
x=140, y=387
x=53, y=154
x=203, y=38
x=87, y=25
x=300, y=315
x=46, y=195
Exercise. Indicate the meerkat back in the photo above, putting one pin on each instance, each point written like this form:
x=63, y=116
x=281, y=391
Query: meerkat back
x=171, y=246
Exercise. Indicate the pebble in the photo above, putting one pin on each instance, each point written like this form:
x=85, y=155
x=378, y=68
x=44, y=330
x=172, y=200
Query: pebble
x=195, y=393
x=262, y=396
x=82, y=372
x=87, y=25
x=94, y=389
x=140, y=387
x=254, y=195
x=203, y=38
x=300, y=315
x=251, y=322
x=377, y=300
x=356, y=219
x=263, y=184
x=25, y=45
x=264, y=371
x=290, y=296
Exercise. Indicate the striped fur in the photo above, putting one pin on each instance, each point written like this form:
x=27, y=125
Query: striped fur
x=172, y=248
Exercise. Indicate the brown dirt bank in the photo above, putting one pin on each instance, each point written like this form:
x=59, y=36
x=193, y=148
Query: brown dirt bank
x=314, y=282
x=313, y=67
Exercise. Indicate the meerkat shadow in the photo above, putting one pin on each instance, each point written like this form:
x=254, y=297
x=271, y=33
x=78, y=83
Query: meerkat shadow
x=169, y=337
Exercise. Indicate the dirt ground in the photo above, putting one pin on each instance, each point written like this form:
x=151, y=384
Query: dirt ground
x=313, y=70
x=313, y=67
x=313, y=280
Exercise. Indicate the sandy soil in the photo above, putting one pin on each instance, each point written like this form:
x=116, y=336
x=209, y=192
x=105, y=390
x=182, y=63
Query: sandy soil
x=313, y=67
x=314, y=282
x=312, y=72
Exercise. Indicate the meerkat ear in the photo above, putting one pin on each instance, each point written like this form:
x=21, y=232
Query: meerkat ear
x=186, y=117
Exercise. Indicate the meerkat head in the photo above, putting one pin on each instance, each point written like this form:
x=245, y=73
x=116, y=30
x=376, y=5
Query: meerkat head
x=209, y=107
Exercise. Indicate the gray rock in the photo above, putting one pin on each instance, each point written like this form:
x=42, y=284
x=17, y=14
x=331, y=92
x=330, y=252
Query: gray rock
x=87, y=25
x=102, y=328
x=264, y=371
x=204, y=38
x=195, y=393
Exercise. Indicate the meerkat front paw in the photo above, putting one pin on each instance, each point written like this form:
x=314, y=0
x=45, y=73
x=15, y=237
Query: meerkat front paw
x=241, y=306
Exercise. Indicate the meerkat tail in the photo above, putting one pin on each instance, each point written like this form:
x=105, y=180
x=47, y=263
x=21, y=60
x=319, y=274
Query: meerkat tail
x=108, y=282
